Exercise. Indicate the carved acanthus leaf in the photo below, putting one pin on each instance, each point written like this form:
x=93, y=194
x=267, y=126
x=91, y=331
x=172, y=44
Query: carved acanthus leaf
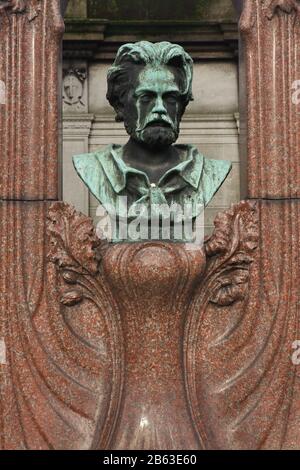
x=76, y=251
x=21, y=6
x=15, y=6
x=268, y=9
x=72, y=241
x=287, y=6
x=230, y=249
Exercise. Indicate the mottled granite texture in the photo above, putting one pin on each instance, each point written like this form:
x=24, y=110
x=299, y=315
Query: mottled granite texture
x=30, y=42
x=270, y=148
x=155, y=297
x=270, y=32
x=50, y=383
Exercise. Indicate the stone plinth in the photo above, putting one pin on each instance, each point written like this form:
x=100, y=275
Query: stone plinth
x=153, y=298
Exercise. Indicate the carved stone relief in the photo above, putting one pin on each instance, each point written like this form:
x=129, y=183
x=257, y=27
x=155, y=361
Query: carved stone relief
x=75, y=95
x=148, y=345
x=145, y=286
x=287, y=6
x=31, y=8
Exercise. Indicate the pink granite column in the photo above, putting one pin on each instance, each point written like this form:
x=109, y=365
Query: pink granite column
x=30, y=48
x=51, y=361
x=30, y=44
x=270, y=66
x=34, y=392
x=246, y=377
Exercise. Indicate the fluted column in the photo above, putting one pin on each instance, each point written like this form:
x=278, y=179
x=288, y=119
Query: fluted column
x=252, y=385
x=30, y=49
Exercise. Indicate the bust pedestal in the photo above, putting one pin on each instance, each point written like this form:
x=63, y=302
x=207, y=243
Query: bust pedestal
x=152, y=291
x=153, y=284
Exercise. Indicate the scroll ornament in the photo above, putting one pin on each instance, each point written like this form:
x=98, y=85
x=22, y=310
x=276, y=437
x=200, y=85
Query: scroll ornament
x=77, y=252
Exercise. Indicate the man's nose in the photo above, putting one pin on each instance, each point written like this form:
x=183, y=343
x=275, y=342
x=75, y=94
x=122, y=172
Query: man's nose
x=159, y=107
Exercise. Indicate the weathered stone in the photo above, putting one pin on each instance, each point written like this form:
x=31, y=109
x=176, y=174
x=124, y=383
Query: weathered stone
x=154, y=9
x=270, y=114
x=156, y=345
x=29, y=114
x=154, y=294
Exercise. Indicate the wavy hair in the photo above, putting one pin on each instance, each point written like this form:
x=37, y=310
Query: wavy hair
x=146, y=53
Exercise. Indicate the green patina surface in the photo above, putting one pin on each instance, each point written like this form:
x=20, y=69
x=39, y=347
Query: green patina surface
x=149, y=86
x=194, y=181
x=164, y=82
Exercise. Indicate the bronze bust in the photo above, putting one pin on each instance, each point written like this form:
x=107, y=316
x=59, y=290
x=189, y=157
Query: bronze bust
x=149, y=87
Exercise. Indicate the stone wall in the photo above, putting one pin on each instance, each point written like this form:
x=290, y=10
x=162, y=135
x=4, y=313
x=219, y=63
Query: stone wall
x=153, y=9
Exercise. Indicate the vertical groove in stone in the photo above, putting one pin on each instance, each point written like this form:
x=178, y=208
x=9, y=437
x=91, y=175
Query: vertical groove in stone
x=272, y=62
x=29, y=57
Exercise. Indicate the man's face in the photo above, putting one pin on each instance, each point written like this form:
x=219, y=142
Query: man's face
x=153, y=109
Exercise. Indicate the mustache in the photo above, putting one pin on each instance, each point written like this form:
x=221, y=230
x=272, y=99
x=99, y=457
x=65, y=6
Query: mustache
x=158, y=120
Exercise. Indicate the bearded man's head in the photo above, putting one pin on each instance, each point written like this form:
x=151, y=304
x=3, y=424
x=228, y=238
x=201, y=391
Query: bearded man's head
x=149, y=86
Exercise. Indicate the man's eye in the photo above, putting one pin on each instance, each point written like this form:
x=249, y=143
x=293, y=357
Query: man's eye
x=145, y=98
x=171, y=99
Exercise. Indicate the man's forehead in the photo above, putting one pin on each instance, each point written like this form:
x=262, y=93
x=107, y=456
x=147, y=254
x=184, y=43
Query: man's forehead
x=151, y=77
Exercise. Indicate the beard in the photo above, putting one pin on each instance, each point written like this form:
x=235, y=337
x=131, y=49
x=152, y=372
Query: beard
x=157, y=136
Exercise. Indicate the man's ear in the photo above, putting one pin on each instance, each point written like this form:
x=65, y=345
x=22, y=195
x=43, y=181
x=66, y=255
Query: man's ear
x=183, y=105
x=118, y=106
x=119, y=115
